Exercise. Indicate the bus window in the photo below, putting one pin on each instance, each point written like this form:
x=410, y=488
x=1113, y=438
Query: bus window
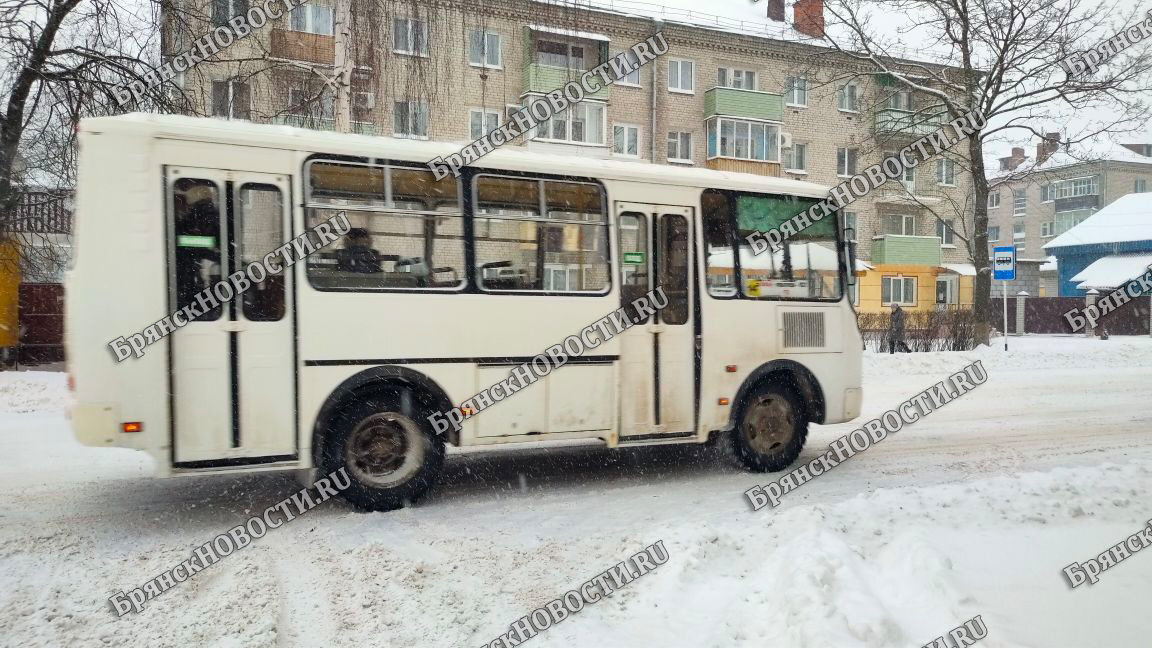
x=196, y=225
x=540, y=235
x=674, y=268
x=407, y=228
x=634, y=261
x=262, y=231
x=720, y=275
x=807, y=266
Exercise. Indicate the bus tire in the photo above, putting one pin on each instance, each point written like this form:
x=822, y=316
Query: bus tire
x=770, y=431
x=391, y=458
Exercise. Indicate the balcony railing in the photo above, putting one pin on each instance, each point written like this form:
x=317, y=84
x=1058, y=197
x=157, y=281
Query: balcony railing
x=906, y=250
x=323, y=124
x=546, y=78
x=749, y=104
x=904, y=122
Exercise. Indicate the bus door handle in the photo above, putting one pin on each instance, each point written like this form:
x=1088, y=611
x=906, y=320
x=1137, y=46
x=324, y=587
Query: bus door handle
x=656, y=328
x=232, y=327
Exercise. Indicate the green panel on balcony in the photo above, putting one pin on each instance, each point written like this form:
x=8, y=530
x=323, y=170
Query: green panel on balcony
x=731, y=102
x=890, y=120
x=360, y=128
x=545, y=78
x=906, y=250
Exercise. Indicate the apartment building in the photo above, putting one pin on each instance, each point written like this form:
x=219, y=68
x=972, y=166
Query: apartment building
x=774, y=102
x=1034, y=199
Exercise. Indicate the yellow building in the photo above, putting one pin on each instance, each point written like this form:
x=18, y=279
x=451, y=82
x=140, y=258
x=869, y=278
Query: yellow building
x=908, y=270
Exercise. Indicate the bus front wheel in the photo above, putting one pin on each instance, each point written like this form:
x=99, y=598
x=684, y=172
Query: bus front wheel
x=771, y=430
x=391, y=457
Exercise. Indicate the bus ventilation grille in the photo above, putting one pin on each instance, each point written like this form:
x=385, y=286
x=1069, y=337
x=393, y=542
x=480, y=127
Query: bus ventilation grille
x=803, y=329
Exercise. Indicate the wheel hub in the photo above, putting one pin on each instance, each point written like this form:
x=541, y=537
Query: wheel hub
x=384, y=449
x=769, y=424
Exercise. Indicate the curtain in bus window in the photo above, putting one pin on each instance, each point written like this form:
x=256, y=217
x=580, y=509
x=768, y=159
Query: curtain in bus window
x=407, y=229
x=720, y=275
x=261, y=225
x=540, y=235
x=196, y=228
x=807, y=266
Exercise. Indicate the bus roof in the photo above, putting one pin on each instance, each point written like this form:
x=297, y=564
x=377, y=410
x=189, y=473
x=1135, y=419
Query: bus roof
x=508, y=159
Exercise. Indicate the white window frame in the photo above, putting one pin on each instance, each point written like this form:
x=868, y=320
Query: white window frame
x=486, y=49
x=847, y=172
x=993, y=199
x=789, y=161
x=1048, y=229
x=634, y=61
x=309, y=11
x=907, y=176
x=679, y=145
x=903, y=101
x=771, y=141
x=412, y=119
x=726, y=77
x=991, y=238
x=905, y=219
x=326, y=102
x=679, y=87
x=1019, y=202
x=944, y=230
x=546, y=127
x=409, y=48
x=842, y=98
x=1048, y=192
x=627, y=128
x=950, y=296
x=585, y=51
x=1022, y=233
x=796, y=92
x=1076, y=187
x=901, y=279
x=487, y=116
x=1140, y=185
x=946, y=172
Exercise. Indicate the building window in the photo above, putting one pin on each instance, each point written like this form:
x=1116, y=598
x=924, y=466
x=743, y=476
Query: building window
x=739, y=79
x=313, y=103
x=946, y=172
x=679, y=146
x=900, y=100
x=481, y=122
x=993, y=234
x=1140, y=185
x=1019, y=201
x=993, y=200
x=796, y=157
x=231, y=99
x=410, y=119
x=580, y=123
x=484, y=49
x=850, y=220
x=681, y=75
x=626, y=140
x=796, y=92
x=633, y=77
x=1048, y=193
x=901, y=290
x=945, y=290
x=1076, y=187
x=900, y=225
x=1048, y=229
x=907, y=176
x=561, y=55
x=743, y=140
x=846, y=162
x=945, y=232
x=312, y=19
x=846, y=98
x=225, y=10
x=409, y=36
x=1018, y=231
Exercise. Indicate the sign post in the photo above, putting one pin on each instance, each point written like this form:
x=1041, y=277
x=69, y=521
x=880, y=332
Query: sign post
x=1004, y=268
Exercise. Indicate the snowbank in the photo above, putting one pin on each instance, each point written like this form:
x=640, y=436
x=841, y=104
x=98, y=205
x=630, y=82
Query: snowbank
x=30, y=392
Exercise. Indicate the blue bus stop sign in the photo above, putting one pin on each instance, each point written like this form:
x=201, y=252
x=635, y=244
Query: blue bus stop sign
x=1004, y=263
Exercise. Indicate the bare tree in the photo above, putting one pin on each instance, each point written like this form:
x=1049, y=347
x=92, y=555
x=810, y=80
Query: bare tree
x=1001, y=58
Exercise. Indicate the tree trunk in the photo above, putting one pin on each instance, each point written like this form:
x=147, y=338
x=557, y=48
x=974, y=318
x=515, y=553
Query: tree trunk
x=342, y=27
x=978, y=250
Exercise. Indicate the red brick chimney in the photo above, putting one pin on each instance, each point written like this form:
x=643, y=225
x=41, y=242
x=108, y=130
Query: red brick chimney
x=1046, y=147
x=809, y=17
x=1012, y=161
x=776, y=10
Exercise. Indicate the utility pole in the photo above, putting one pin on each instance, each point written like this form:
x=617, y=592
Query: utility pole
x=342, y=65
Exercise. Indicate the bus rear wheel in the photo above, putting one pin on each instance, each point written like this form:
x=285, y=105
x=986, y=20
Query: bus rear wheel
x=391, y=457
x=771, y=429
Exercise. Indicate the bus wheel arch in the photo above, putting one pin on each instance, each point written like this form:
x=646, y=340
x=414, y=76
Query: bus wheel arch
x=789, y=373
x=424, y=391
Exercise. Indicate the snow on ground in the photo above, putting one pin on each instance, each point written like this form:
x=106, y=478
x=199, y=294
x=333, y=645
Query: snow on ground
x=973, y=510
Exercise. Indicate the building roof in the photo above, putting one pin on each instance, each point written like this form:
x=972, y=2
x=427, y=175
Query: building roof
x=1100, y=152
x=1112, y=271
x=1127, y=219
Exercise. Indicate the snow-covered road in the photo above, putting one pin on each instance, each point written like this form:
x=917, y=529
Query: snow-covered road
x=973, y=510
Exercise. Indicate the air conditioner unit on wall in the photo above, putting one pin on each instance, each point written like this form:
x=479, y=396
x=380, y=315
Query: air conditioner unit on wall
x=785, y=140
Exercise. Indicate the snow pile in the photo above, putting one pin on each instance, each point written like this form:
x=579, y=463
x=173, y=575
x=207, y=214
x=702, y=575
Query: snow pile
x=31, y=392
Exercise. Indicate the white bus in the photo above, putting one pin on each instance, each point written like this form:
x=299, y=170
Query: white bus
x=336, y=364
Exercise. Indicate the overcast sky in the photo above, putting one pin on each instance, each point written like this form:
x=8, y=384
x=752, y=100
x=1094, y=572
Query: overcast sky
x=755, y=13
